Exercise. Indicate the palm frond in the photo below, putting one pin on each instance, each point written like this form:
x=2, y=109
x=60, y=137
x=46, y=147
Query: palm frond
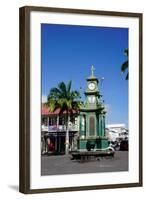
x=69, y=104
x=63, y=98
x=55, y=91
x=124, y=66
x=52, y=104
x=62, y=88
x=127, y=76
x=76, y=105
x=76, y=94
x=126, y=52
x=69, y=86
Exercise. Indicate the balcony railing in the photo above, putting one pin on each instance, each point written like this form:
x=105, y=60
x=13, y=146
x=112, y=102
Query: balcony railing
x=60, y=128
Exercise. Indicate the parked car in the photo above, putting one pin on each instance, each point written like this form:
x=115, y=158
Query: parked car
x=114, y=145
x=124, y=145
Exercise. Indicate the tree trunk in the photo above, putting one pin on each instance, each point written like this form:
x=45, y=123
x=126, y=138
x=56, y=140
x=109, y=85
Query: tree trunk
x=67, y=137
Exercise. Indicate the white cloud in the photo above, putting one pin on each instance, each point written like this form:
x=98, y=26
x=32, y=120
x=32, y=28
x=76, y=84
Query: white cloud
x=44, y=99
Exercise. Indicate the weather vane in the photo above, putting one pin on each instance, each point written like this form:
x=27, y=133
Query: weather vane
x=92, y=70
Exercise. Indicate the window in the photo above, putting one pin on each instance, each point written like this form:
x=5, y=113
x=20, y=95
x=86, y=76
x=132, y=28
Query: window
x=52, y=121
x=92, y=126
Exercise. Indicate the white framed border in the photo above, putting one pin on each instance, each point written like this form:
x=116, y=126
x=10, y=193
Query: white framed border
x=132, y=176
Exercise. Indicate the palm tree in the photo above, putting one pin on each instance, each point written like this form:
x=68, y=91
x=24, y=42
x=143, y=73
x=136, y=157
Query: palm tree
x=67, y=101
x=124, y=66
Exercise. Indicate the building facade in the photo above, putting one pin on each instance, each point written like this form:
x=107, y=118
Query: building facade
x=116, y=132
x=53, y=131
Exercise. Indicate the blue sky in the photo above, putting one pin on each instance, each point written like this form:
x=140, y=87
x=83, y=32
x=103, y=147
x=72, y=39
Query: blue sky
x=67, y=53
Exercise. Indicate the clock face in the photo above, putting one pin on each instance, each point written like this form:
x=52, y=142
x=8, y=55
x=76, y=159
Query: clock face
x=91, y=86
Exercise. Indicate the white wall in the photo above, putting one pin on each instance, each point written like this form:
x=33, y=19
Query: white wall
x=9, y=63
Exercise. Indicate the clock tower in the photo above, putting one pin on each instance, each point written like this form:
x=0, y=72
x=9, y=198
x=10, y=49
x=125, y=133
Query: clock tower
x=92, y=118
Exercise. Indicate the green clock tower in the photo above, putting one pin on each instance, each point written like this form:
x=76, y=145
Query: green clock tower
x=92, y=118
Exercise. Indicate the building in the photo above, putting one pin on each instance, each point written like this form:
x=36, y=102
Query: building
x=116, y=132
x=54, y=130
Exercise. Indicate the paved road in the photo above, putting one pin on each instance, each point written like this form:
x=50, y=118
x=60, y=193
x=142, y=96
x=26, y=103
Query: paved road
x=55, y=165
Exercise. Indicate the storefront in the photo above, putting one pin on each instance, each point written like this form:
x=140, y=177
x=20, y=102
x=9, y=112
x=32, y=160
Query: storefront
x=54, y=132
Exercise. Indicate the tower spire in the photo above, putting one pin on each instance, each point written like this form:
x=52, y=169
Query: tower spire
x=92, y=70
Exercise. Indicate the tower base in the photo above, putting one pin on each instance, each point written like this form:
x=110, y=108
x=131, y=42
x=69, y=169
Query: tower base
x=92, y=144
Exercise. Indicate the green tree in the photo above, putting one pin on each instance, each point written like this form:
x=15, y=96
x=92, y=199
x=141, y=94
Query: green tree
x=67, y=101
x=124, y=66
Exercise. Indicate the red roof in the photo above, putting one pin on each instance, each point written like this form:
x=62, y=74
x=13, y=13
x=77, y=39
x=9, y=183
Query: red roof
x=46, y=111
